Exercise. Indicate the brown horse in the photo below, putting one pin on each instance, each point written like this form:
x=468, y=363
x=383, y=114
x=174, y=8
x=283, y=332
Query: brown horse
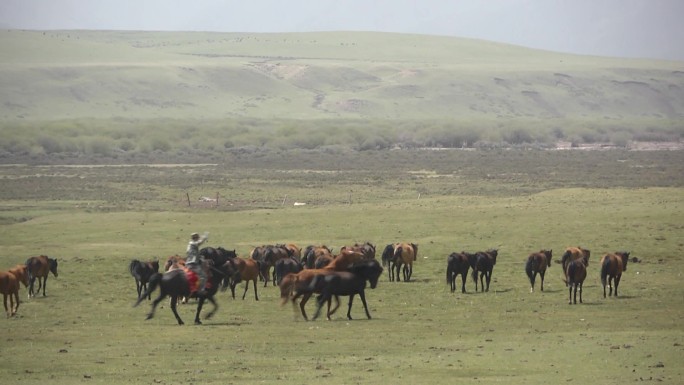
x=573, y=254
x=458, y=263
x=612, y=266
x=249, y=271
x=39, y=267
x=21, y=273
x=483, y=267
x=537, y=263
x=9, y=287
x=576, y=273
x=312, y=253
x=366, y=248
x=174, y=262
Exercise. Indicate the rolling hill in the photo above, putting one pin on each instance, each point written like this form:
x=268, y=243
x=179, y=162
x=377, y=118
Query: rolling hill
x=145, y=75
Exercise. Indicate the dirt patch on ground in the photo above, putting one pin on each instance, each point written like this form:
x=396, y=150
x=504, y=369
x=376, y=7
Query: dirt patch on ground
x=635, y=146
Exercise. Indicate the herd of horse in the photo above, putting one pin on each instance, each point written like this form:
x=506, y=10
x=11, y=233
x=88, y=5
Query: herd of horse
x=314, y=270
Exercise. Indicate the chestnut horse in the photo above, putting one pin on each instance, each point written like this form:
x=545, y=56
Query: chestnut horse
x=576, y=273
x=612, y=266
x=9, y=287
x=458, y=263
x=537, y=263
x=572, y=254
x=39, y=267
x=312, y=253
x=396, y=255
x=249, y=271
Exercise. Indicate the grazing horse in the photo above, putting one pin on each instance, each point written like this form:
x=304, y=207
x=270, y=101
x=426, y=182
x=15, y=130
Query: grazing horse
x=39, y=267
x=249, y=271
x=142, y=271
x=484, y=265
x=284, y=267
x=572, y=254
x=21, y=273
x=349, y=283
x=312, y=253
x=175, y=283
x=9, y=287
x=575, y=273
x=458, y=263
x=296, y=285
x=537, y=263
x=612, y=266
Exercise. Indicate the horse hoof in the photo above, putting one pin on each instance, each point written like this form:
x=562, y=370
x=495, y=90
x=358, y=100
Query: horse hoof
x=198, y=322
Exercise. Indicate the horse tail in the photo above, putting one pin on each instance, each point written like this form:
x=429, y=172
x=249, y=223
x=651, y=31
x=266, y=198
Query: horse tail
x=286, y=287
x=605, y=270
x=529, y=268
x=151, y=286
x=132, y=266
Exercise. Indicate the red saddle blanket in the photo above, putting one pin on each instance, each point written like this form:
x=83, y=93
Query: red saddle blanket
x=193, y=280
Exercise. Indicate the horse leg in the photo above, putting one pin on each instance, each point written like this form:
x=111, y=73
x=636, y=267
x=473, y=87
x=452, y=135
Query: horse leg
x=463, y=282
x=351, y=299
x=211, y=313
x=541, y=275
x=246, y=288
x=256, y=296
x=580, y=290
x=4, y=301
x=569, y=293
x=362, y=295
x=16, y=299
x=44, y=284
x=30, y=288
x=232, y=288
x=302, y=303
x=617, y=282
x=398, y=272
x=161, y=296
x=337, y=305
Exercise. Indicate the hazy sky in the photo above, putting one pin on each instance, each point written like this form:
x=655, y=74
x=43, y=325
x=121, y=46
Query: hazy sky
x=629, y=28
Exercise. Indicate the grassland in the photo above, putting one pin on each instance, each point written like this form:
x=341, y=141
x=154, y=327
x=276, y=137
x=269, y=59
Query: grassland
x=94, y=219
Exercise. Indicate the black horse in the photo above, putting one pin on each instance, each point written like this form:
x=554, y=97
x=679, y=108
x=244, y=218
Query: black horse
x=175, y=284
x=389, y=261
x=483, y=266
x=142, y=272
x=349, y=283
x=459, y=263
x=286, y=266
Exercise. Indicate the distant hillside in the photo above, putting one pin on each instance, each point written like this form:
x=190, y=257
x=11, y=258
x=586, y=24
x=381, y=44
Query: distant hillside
x=131, y=79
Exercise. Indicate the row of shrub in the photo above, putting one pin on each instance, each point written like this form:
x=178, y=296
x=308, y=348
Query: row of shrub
x=118, y=138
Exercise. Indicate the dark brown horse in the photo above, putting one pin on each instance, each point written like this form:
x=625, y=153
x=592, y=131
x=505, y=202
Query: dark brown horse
x=175, y=283
x=142, y=272
x=484, y=266
x=347, y=283
x=458, y=263
x=576, y=273
x=612, y=266
x=572, y=254
x=9, y=287
x=39, y=267
x=284, y=267
x=537, y=263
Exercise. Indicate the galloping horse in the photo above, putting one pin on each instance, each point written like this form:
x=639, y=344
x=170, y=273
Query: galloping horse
x=576, y=273
x=346, y=283
x=537, y=264
x=175, y=284
x=612, y=266
x=458, y=263
x=573, y=254
x=39, y=267
x=296, y=285
x=142, y=271
x=398, y=254
x=9, y=287
x=484, y=265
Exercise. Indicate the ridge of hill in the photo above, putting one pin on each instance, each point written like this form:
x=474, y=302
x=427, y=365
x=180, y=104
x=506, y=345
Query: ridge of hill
x=55, y=75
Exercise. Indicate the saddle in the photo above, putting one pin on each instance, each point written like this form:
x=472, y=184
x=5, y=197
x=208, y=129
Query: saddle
x=194, y=280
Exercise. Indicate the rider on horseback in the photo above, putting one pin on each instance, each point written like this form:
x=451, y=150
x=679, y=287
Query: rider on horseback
x=195, y=261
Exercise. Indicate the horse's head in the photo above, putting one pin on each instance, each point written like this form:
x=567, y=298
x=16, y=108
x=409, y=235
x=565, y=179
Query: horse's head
x=231, y=270
x=155, y=266
x=624, y=255
x=369, y=269
x=549, y=255
x=53, y=265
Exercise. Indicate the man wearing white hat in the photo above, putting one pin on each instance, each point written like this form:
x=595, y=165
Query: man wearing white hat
x=194, y=260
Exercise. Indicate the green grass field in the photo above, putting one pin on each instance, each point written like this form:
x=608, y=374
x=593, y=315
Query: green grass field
x=95, y=220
